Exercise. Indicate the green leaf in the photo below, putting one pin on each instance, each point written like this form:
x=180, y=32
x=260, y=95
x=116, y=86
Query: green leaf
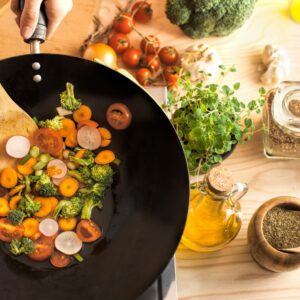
x=236, y=86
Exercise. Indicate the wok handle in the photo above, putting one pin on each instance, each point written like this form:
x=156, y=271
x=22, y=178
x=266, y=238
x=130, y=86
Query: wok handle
x=41, y=28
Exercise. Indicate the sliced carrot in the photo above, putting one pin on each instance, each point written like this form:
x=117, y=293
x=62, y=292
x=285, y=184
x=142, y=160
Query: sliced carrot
x=16, y=189
x=4, y=207
x=8, y=178
x=13, y=203
x=89, y=123
x=105, y=143
x=67, y=224
x=27, y=168
x=68, y=187
x=71, y=139
x=20, y=176
x=36, y=236
x=53, y=170
x=83, y=113
x=105, y=133
x=105, y=157
x=45, y=208
x=31, y=227
x=54, y=202
x=68, y=127
x=80, y=153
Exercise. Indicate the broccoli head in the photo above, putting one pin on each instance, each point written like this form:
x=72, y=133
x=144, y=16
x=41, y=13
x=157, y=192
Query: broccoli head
x=83, y=175
x=97, y=189
x=28, y=206
x=87, y=159
x=68, y=208
x=28, y=180
x=55, y=123
x=68, y=100
x=90, y=202
x=15, y=217
x=23, y=245
x=45, y=186
x=202, y=18
x=103, y=174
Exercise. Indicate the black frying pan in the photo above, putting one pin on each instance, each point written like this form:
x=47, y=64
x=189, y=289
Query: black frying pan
x=144, y=214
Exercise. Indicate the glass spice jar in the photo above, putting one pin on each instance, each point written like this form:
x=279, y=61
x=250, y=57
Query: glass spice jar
x=281, y=118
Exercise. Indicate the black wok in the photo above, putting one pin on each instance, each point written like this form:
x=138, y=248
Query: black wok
x=144, y=214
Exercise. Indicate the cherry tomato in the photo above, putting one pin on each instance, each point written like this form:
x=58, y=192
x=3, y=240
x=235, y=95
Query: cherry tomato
x=48, y=140
x=118, y=116
x=123, y=23
x=119, y=42
x=104, y=53
x=171, y=75
x=143, y=76
x=59, y=259
x=150, y=44
x=168, y=55
x=131, y=57
x=151, y=62
x=43, y=248
x=142, y=12
x=8, y=232
x=88, y=231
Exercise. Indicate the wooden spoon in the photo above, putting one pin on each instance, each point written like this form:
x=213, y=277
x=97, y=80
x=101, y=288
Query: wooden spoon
x=13, y=121
x=291, y=250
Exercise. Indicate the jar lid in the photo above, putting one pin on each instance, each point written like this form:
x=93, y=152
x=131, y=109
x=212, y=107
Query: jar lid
x=286, y=106
x=220, y=180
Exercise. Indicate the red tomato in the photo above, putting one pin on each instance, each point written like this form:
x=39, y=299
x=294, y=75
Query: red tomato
x=150, y=44
x=59, y=259
x=123, y=23
x=8, y=232
x=168, y=55
x=48, y=140
x=142, y=12
x=43, y=248
x=119, y=42
x=118, y=116
x=131, y=57
x=88, y=231
x=171, y=75
x=151, y=62
x=143, y=76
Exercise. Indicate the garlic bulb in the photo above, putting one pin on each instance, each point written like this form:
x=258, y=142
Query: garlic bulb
x=201, y=62
x=276, y=64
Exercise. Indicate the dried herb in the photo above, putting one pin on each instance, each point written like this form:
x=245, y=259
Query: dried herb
x=281, y=228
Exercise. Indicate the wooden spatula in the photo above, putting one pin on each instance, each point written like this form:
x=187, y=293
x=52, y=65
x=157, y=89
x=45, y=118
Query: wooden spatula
x=13, y=121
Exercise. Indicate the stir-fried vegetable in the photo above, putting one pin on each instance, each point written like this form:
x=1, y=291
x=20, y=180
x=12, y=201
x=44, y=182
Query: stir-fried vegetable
x=56, y=123
x=102, y=174
x=23, y=245
x=83, y=175
x=45, y=186
x=68, y=208
x=28, y=206
x=91, y=201
x=16, y=217
x=68, y=100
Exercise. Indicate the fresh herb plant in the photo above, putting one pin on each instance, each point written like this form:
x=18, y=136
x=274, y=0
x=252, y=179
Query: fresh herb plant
x=210, y=119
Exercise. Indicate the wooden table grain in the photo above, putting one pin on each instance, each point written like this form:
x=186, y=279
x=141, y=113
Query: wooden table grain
x=229, y=273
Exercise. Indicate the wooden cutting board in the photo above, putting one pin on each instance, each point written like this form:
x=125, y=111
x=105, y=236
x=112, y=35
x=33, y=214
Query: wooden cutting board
x=3, y=5
x=13, y=121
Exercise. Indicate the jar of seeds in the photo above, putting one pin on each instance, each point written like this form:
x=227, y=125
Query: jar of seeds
x=281, y=118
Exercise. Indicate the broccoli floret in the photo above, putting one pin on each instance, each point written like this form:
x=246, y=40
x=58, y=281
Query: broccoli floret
x=15, y=217
x=28, y=206
x=103, y=174
x=90, y=202
x=55, y=123
x=68, y=208
x=98, y=189
x=202, y=18
x=68, y=100
x=45, y=186
x=83, y=175
x=28, y=180
x=23, y=245
x=87, y=160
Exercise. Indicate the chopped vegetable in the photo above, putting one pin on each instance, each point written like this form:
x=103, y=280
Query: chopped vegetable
x=87, y=159
x=45, y=208
x=68, y=243
x=67, y=127
x=68, y=187
x=45, y=187
x=71, y=139
x=14, y=201
x=83, y=175
x=29, y=206
x=67, y=224
x=68, y=100
x=34, y=151
x=8, y=232
x=56, y=123
x=90, y=123
x=27, y=168
x=17, y=189
x=43, y=248
x=97, y=189
x=31, y=227
x=105, y=157
x=59, y=259
x=56, y=168
x=8, y=178
x=23, y=245
x=16, y=217
x=68, y=208
x=54, y=202
x=18, y=146
x=63, y=112
x=84, y=113
x=4, y=207
x=78, y=257
x=105, y=143
x=91, y=201
x=105, y=133
x=118, y=116
x=88, y=138
x=102, y=174
x=48, y=227
x=88, y=231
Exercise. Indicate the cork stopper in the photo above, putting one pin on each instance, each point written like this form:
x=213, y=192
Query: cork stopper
x=220, y=180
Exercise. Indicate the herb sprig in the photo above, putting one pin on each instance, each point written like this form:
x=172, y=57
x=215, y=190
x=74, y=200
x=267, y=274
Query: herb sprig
x=210, y=119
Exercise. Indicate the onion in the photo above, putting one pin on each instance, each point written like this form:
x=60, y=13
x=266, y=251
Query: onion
x=18, y=146
x=59, y=165
x=68, y=243
x=63, y=112
x=48, y=227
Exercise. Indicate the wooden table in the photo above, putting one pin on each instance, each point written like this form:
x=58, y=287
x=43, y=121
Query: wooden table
x=230, y=273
